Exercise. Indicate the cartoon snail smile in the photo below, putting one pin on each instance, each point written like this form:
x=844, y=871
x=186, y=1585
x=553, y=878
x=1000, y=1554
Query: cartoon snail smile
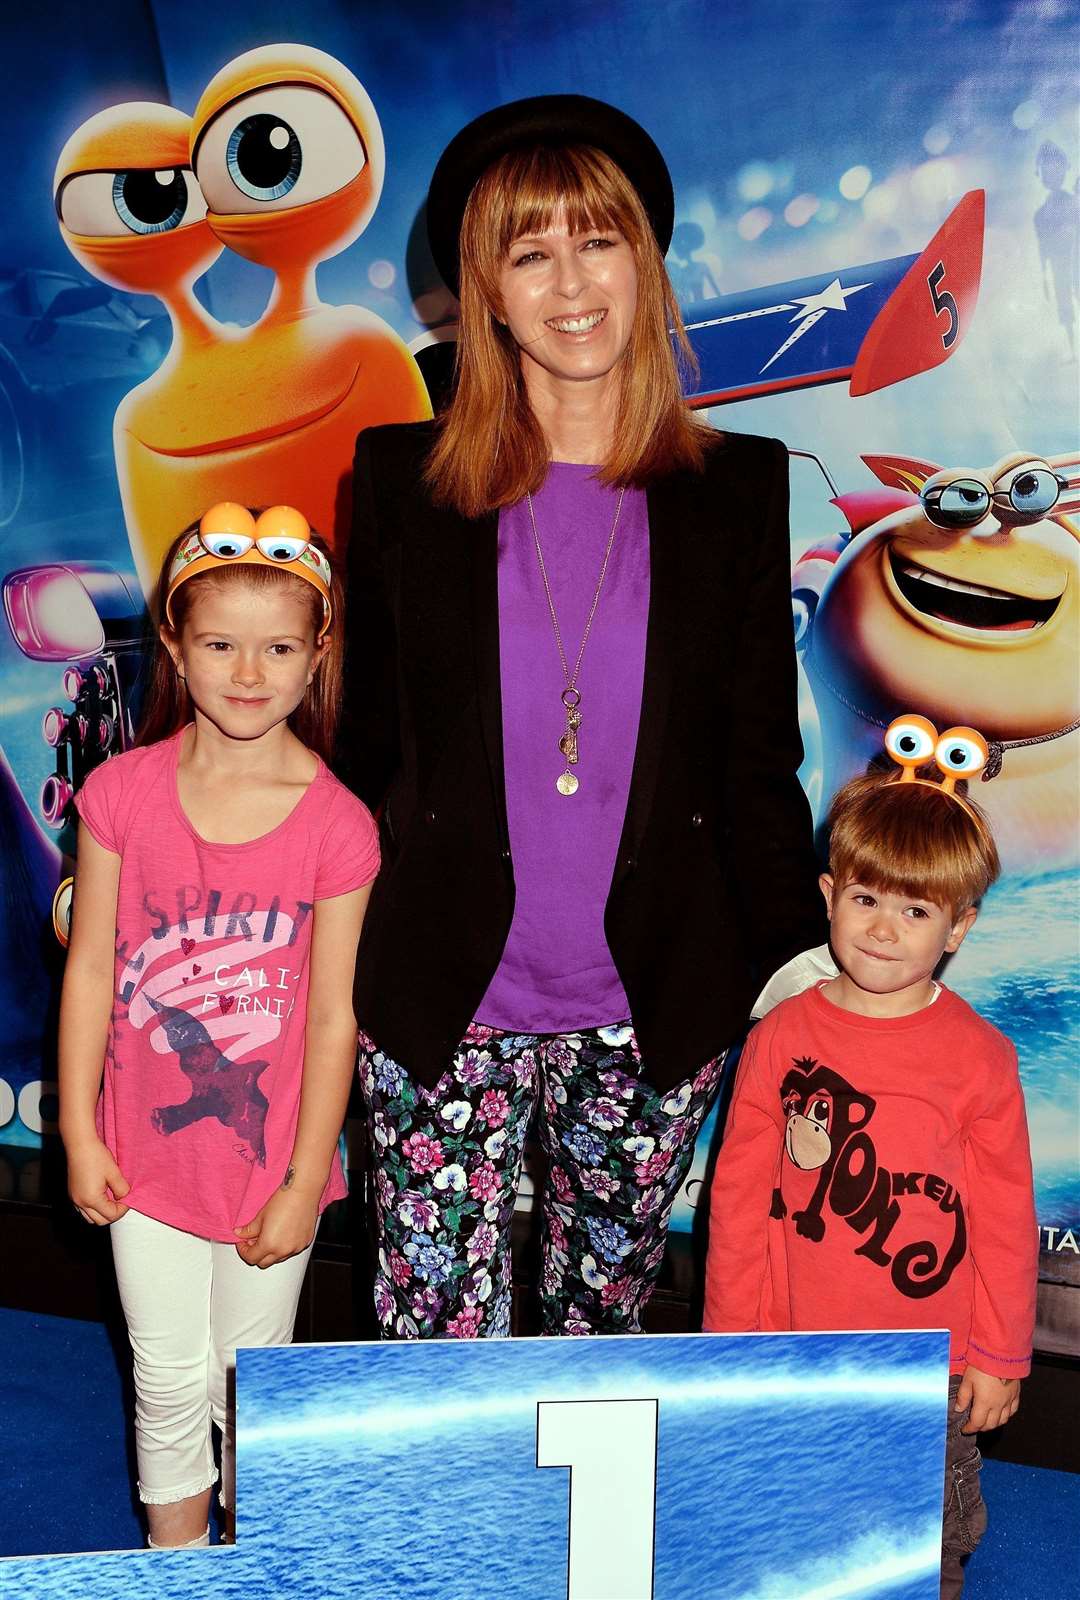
x=959, y=591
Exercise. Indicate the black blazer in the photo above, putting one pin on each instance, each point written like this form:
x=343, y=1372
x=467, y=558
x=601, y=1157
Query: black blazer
x=715, y=881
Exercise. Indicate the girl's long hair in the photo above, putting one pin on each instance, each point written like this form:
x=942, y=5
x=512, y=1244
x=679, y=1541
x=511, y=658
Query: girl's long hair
x=490, y=446
x=167, y=706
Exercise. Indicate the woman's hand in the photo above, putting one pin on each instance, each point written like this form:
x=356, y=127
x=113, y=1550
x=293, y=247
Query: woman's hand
x=992, y=1400
x=92, y=1173
x=282, y=1228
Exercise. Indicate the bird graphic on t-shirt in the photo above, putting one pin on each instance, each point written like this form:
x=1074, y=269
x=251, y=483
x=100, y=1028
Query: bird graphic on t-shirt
x=227, y=1090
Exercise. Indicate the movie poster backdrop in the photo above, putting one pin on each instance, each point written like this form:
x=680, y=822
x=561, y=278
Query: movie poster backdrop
x=214, y=272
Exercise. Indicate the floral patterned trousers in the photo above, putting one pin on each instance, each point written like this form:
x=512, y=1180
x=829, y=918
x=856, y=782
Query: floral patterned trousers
x=447, y=1162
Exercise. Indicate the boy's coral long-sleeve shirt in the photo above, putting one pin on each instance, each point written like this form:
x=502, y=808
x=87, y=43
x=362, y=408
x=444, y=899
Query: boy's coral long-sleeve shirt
x=876, y=1173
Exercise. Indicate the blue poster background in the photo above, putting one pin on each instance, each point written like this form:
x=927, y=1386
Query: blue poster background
x=803, y=142
x=393, y=1470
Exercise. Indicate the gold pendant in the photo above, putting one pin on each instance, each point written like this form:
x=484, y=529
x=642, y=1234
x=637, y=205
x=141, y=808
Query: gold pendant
x=568, y=744
x=566, y=783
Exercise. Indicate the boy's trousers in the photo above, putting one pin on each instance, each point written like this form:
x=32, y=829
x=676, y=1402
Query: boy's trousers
x=965, y=1514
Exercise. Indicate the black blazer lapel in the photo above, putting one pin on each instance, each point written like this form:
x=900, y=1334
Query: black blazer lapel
x=482, y=540
x=670, y=503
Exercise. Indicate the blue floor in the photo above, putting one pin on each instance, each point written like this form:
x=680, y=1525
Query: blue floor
x=1030, y=1550
x=68, y=1483
x=67, y=1476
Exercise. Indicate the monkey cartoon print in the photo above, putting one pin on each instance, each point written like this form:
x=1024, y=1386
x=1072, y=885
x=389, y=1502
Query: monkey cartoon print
x=875, y=1173
x=826, y=1123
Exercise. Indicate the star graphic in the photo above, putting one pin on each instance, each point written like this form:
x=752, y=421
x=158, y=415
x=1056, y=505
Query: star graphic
x=831, y=298
x=814, y=307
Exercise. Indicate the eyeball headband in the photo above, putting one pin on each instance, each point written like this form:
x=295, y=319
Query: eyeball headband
x=229, y=533
x=958, y=753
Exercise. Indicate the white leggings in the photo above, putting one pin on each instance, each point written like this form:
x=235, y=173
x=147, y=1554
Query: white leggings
x=188, y=1303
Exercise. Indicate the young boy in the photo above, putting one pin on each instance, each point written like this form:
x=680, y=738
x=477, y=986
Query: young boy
x=875, y=1171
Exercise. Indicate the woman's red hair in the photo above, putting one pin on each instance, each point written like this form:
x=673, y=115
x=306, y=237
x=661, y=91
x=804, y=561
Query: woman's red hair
x=491, y=448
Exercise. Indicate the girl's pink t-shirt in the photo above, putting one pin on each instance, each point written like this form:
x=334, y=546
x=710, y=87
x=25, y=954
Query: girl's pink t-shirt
x=205, y=1053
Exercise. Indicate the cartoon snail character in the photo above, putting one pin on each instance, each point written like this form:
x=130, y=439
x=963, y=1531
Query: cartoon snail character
x=283, y=163
x=958, y=591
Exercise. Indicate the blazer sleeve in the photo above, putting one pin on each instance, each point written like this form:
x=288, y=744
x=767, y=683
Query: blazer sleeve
x=367, y=752
x=771, y=829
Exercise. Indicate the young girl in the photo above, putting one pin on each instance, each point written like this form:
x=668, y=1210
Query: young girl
x=223, y=875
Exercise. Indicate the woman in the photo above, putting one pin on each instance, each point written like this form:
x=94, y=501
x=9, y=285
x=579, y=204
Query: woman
x=571, y=686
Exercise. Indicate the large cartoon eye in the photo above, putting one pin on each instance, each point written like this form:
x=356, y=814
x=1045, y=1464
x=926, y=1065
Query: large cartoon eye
x=281, y=547
x=227, y=545
x=1030, y=490
x=818, y=1111
x=138, y=200
x=959, y=504
x=61, y=911
x=910, y=740
x=276, y=148
x=961, y=751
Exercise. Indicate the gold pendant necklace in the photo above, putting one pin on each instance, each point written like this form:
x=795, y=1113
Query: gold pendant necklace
x=567, y=781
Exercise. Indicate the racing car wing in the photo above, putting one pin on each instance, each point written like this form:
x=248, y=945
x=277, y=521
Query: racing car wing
x=872, y=325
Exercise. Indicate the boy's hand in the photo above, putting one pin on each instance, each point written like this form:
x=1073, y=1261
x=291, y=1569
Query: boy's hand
x=992, y=1400
x=92, y=1174
x=282, y=1228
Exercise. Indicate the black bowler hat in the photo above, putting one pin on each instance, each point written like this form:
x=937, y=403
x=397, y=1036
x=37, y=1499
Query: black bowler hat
x=544, y=119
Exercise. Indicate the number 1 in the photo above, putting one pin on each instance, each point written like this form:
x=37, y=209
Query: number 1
x=610, y=1448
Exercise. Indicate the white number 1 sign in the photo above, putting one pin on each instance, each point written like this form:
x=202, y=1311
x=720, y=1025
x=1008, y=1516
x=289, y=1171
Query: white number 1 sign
x=610, y=1448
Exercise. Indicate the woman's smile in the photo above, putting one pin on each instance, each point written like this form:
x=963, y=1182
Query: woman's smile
x=583, y=323
x=569, y=301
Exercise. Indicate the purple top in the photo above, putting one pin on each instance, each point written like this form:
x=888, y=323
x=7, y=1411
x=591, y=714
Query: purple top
x=556, y=972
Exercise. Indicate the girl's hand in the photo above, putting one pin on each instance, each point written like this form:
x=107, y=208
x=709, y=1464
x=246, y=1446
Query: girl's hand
x=992, y=1400
x=285, y=1226
x=92, y=1173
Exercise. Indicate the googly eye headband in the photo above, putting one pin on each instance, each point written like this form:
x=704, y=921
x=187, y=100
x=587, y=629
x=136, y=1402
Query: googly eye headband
x=912, y=741
x=229, y=534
